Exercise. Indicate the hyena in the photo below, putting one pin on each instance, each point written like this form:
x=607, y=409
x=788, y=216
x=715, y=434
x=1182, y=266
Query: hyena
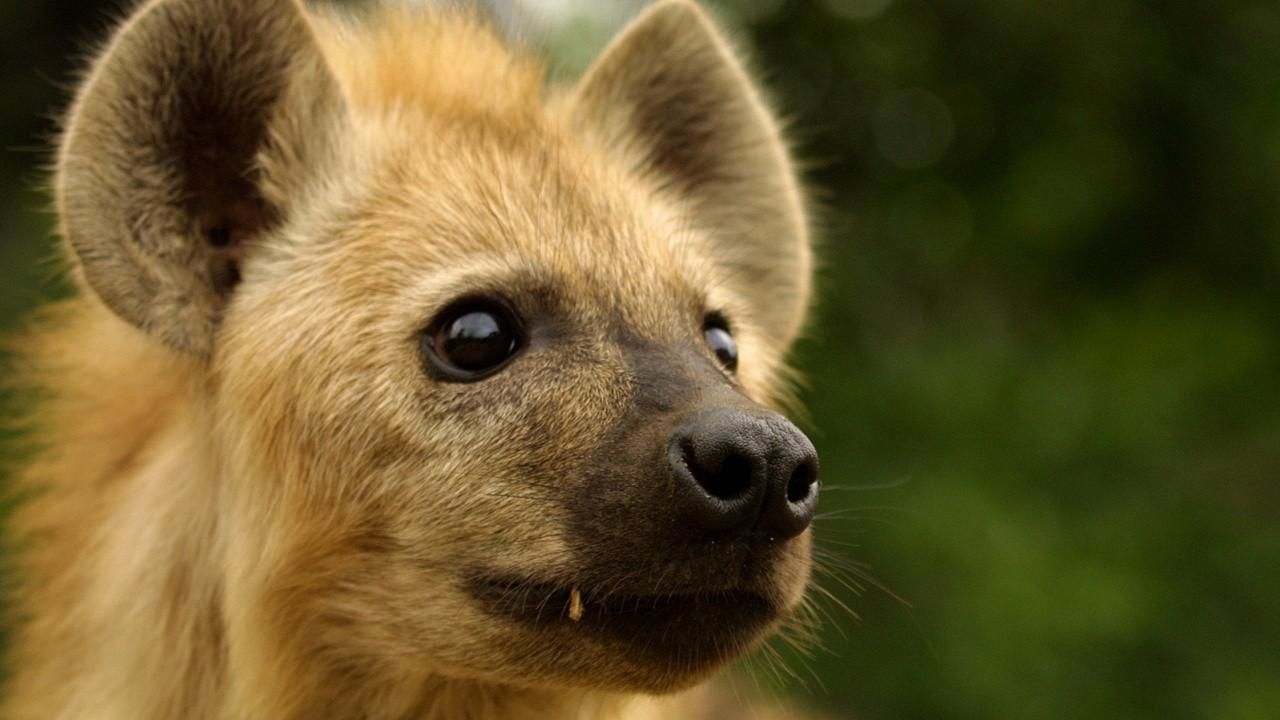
x=400, y=386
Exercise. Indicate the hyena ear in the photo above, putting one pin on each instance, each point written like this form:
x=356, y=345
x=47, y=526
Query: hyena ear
x=194, y=127
x=670, y=89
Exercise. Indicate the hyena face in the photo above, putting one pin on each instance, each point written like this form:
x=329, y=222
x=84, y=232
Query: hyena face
x=487, y=374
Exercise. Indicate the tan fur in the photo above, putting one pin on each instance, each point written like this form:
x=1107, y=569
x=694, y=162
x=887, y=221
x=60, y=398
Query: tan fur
x=248, y=502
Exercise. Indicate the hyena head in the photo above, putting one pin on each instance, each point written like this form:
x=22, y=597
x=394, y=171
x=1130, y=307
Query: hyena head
x=486, y=371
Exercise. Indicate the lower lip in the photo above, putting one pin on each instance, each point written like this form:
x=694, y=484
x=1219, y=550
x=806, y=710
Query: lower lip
x=542, y=604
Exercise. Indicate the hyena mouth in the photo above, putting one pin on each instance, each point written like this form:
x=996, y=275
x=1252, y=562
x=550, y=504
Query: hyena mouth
x=626, y=616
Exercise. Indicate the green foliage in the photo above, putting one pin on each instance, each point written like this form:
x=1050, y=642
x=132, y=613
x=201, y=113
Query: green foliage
x=1055, y=341
x=1044, y=376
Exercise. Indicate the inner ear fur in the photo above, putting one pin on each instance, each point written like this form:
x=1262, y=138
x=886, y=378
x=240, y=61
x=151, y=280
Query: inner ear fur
x=159, y=177
x=670, y=89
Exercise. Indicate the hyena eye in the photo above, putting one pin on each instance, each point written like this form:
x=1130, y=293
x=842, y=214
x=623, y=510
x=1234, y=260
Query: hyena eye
x=471, y=340
x=716, y=331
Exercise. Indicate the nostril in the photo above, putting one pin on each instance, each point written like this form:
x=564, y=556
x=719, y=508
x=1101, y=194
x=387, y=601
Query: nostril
x=730, y=481
x=801, y=482
x=734, y=479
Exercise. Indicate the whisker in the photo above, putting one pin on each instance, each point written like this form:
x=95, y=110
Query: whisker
x=875, y=508
x=826, y=541
x=828, y=565
x=888, y=522
x=837, y=601
x=892, y=485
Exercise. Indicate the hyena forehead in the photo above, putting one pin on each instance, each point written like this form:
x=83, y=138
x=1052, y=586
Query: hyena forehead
x=531, y=219
x=460, y=189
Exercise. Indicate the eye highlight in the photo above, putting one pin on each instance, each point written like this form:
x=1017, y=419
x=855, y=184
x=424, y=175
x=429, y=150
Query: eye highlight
x=715, y=330
x=472, y=339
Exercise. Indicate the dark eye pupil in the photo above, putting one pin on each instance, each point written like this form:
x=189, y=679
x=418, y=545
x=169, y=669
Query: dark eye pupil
x=475, y=341
x=721, y=343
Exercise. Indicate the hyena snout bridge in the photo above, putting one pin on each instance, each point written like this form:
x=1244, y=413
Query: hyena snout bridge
x=741, y=471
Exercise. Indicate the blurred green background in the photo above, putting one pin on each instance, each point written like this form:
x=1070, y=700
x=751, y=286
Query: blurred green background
x=1045, y=374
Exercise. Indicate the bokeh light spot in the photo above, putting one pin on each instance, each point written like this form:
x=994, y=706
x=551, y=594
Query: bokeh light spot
x=913, y=128
x=858, y=9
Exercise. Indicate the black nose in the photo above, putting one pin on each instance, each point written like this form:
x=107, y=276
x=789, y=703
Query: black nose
x=739, y=471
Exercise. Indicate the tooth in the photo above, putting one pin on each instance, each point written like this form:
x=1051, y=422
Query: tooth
x=575, y=605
